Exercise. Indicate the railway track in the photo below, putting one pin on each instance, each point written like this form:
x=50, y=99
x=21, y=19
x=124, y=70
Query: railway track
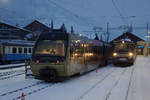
x=49, y=85
x=107, y=97
x=34, y=91
x=27, y=88
x=12, y=66
x=10, y=74
x=131, y=76
x=21, y=89
x=97, y=83
x=116, y=83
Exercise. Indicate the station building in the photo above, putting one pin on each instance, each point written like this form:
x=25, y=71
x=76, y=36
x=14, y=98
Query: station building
x=143, y=48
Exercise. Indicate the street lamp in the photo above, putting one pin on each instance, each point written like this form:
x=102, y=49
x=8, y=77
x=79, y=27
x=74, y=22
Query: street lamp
x=147, y=43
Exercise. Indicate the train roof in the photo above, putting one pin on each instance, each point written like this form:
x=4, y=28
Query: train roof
x=53, y=35
x=76, y=37
x=84, y=39
x=96, y=42
x=17, y=42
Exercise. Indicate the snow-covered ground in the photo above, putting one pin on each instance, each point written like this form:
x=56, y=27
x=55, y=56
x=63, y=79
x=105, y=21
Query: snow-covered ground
x=109, y=83
x=11, y=65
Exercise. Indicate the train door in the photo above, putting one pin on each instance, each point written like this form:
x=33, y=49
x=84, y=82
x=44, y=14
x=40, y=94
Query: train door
x=3, y=53
x=76, y=61
x=92, y=57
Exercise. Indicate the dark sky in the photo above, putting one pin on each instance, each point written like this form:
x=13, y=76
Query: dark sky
x=82, y=14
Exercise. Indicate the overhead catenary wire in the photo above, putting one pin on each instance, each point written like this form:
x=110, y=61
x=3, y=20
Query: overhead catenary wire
x=70, y=12
x=116, y=7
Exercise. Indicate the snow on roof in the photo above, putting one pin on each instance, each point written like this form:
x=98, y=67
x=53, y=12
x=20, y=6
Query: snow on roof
x=127, y=39
x=18, y=42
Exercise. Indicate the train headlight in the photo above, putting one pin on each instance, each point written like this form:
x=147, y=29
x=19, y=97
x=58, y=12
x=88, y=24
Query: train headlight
x=130, y=54
x=115, y=54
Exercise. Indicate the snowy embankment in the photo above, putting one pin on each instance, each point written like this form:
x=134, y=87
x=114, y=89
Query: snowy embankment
x=109, y=83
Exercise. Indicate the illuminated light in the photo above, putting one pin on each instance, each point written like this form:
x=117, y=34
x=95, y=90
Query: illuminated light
x=85, y=54
x=115, y=54
x=90, y=54
x=76, y=54
x=85, y=45
x=57, y=61
x=147, y=36
x=37, y=61
x=130, y=54
x=77, y=41
x=123, y=42
x=82, y=45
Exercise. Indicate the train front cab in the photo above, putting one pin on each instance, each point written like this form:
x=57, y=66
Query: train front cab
x=49, y=58
x=124, y=58
x=124, y=53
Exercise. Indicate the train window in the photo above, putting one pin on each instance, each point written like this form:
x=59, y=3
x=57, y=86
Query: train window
x=52, y=47
x=19, y=50
x=25, y=50
x=9, y=50
x=76, y=50
x=29, y=50
x=14, y=50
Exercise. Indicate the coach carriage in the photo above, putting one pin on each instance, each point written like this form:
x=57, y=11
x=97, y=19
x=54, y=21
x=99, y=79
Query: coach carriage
x=15, y=50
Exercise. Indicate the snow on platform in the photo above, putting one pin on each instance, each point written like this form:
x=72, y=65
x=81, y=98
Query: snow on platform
x=110, y=83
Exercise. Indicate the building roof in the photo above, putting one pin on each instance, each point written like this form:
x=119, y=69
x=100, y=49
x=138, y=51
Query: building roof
x=128, y=35
x=36, y=25
x=12, y=31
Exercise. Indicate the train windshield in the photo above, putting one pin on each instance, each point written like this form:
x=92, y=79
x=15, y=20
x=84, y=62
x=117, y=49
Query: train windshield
x=51, y=47
x=124, y=46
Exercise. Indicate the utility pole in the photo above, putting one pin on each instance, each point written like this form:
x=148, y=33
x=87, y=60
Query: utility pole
x=147, y=30
x=147, y=38
x=108, y=34
x=52, y=26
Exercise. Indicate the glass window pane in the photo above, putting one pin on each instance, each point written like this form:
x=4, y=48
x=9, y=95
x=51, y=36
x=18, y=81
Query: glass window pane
x=19, y=50
x=14, y=50
x=25, y=50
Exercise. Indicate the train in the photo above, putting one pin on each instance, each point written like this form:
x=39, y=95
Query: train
x=124, y=52
x=59, y=55
x=15, y=50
